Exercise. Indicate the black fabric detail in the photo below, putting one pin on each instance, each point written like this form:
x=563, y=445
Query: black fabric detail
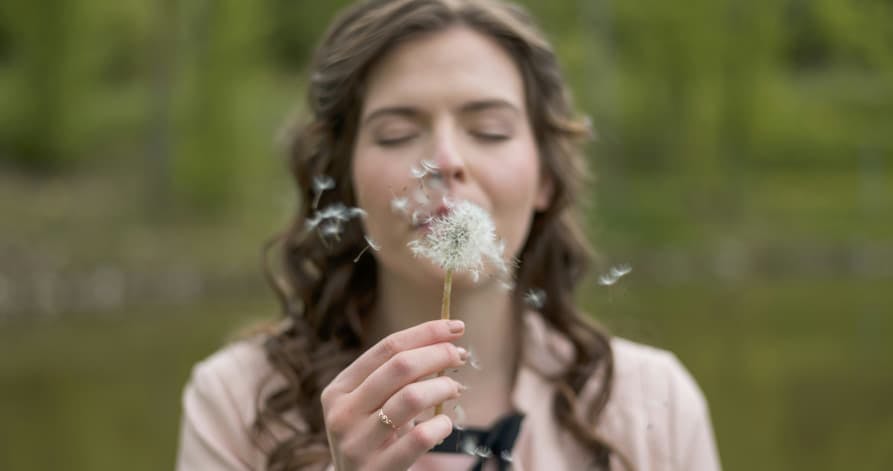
x=496, y=442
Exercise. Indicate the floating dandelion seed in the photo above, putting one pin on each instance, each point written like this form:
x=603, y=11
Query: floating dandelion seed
x=400, y=205
x=614, y=274
x=417, y=172
x=321, y=183
x=330, y=220
x=337, y=212
x=369, y=244
x=356, y=212
x=425, y=168
x=372, y=243
x=312, y=222
x=421, y=196
x=429, y=166
x=429, y=177
x=331, y=229
x=436, y=182
x=460, y=417
x=420, y=217
x=469, y=445
x=535, y=298
x=483, y=451
x=606, y=280
x=473, y=359
x=621, y=270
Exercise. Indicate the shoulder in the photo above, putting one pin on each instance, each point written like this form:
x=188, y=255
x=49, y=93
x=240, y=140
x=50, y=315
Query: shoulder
x=219, y=407
x=655, y=376
x=657, y=412
x=233, y=366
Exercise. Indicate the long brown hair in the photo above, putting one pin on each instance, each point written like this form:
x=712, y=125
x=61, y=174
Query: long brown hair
x=325, y=295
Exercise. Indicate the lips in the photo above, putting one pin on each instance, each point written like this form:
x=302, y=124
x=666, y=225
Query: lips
x=422, y=220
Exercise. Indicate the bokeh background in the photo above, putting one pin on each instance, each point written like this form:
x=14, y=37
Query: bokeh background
x=744, y=170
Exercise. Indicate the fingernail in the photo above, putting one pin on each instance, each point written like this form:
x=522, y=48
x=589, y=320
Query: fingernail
x=463, y=354
x=456, y=327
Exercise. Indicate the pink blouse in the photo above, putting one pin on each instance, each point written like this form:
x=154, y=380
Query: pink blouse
x=657, y=416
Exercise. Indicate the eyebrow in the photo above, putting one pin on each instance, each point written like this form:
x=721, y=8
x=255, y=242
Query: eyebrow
x=405, y=111
x=483, y=105
x=470, y=107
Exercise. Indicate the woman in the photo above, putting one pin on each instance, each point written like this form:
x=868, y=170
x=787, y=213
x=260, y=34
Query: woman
x=413, y=102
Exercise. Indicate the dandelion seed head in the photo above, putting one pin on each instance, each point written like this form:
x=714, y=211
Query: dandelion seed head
x=461, y=240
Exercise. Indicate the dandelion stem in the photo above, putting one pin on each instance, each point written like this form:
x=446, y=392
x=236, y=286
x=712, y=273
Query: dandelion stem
x=447, y=289
x=445, y=315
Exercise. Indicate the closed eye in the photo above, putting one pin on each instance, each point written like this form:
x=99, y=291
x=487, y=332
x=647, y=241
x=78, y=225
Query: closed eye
x=395, y=141
x=490, y=136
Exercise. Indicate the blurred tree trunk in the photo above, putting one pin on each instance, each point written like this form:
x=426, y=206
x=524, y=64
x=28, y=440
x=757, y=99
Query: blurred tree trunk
x=52, y=75
x=159, y=141
x=225, y=52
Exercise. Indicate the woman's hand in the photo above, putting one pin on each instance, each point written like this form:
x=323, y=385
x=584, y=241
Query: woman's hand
x=388, y=379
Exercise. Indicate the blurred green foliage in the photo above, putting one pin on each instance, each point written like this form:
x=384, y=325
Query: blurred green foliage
x=743, y=166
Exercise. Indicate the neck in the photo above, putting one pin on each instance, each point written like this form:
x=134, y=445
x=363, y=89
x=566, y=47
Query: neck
x=490, y=334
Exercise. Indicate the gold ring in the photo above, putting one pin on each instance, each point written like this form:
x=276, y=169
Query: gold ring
x=383, y=418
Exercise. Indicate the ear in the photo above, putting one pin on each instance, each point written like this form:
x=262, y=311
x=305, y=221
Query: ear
x=545, y=191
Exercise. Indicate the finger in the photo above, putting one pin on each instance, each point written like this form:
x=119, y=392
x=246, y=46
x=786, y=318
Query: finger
x=405, y=368
x=414, y=337
x=406, y=450
x=401, y=408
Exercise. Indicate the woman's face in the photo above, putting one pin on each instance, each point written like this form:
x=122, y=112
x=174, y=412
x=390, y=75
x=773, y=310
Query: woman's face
x=456, y=99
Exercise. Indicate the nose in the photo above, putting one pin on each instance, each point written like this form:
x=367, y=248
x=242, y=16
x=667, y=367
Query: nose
x=449, y=160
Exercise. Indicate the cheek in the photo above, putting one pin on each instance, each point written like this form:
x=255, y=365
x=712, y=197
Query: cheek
x=375, y=185
x=517, y=190
x=370, y=178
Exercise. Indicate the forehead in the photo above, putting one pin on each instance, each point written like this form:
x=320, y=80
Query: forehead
x=447, y=68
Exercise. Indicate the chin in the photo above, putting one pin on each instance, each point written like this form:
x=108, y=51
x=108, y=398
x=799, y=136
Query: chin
x=462, y=280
